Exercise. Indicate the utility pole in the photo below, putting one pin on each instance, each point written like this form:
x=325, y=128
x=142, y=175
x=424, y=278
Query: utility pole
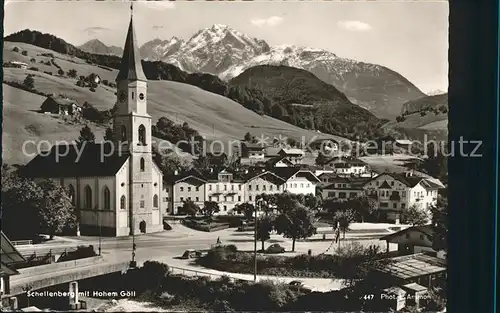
x=100, y=234
x=255, y=244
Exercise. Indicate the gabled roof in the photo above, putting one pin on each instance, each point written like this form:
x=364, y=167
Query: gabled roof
x=93, y=161
x=385, y=185
x=253, y=146
x=273, y=161
x=412, y=266
x=265, y=174
x=8, y=253
x=292, y=151
x=192, y=173
x=428, y=230
x=131, y=66
x=62, y=101
x=410, y=181
x=287, y=172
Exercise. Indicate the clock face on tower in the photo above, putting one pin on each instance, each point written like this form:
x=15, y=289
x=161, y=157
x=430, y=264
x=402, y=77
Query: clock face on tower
x=122, y=96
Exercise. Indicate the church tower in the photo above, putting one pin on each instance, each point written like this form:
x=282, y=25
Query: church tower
x=132, y=130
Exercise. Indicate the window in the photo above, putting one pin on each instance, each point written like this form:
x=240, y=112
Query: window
x=142, y=204
x=123, y=201
x=142, y=135
x=392, y=183
x=270, y=187
x=189, y=198
x=181, y=188
x=403, y=194
x=225, y=199
x=239, y=187
x=331, y=194
x=257, y=187
x=182, y=199
x=155, y=201
x=225, y=187
x=384, y=204
x=107, y=198
x=87, y=204
x=71, y=194
x=403, y=205
x=249, y=187
x=165, y=199
x=132, y=95
x=294, y=185
x=197, y=199
x=232, y=187
x=197, y=189
x=123, y=132
x=210, y=187
x=189, y=189
x=250, y=198
x=394, y=205
x=239, y=198
x=342, y=195
x=143, y=165
x=225, y=208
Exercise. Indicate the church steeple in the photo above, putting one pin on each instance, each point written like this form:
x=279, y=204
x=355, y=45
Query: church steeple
x=131, y=66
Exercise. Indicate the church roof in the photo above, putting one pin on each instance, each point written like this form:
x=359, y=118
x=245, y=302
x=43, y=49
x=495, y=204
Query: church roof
x=65, y=161
x=131, y=66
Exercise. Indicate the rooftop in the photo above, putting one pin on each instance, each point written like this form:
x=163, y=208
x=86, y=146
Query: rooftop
x=412, y=266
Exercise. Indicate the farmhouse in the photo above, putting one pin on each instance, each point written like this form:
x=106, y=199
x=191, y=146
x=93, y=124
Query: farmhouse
x=62, y=106
x=114, y=191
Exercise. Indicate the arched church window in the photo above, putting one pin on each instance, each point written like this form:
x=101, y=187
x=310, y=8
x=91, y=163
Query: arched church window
x=122, y=203
x=143, y=165
x=87, y=191
x=155, y=201
x=123, y=132
x=142, y=135
x=71, y=194
x=107, y=198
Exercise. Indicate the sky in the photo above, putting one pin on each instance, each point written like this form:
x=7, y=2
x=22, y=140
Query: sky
x=410, y=37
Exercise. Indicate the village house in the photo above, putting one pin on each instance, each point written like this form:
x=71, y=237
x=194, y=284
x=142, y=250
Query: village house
x=61, y=106
x=265, y=182
x=395, y=192
x=184, y=186
x=297, y=181
x=279, y=162
x=226, y=188
x=9, y=257
x=16, y=64
x=344, y=188
x=294, y=155
x=415, y=239
x=252, y=153
x=403, y=144
x=114, y=193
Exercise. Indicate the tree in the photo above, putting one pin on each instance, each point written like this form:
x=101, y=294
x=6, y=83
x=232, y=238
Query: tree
x=296, y=223
x=29, y=82
x=25, y=53
x=190, y=208
x=55, y=210
x=60, y=72
x=170, y=162
x=312, y=201
x=86, y=135
x=439, y=214
x=209, y=208
x=343, y=219
x=72, y=73
x=248, y=137
x=414, y=215
x=247, y=209
x=265, y=226
x=364, y=206
x=109, y=135
x=321, y=159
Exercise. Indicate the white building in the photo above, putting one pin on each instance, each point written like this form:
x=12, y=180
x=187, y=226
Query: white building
x=298, y=181
x=117, y=193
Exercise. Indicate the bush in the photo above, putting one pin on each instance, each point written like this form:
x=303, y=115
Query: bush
x=423, y=113
x=231, y=248
x=92, y=89
x=33, y=68
x=33, y=60
x=24, y=52
x=81, y=252
x=16, y=49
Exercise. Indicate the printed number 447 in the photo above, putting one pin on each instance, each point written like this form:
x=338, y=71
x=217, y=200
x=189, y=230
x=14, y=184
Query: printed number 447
x=368, y=297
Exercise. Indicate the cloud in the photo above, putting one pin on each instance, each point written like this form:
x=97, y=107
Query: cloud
x=95, y=30
x=158, y=5
x=270, y=21
x=354, y=26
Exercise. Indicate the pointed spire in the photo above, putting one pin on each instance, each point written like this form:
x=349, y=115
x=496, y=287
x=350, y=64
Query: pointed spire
x=131, y=66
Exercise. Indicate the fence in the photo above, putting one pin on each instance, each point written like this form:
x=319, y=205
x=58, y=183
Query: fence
x=196, y=273
x=22, y=242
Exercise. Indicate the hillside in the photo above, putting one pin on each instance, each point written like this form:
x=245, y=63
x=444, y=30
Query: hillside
x=212, y=115
x=304, y=96
x=427, y=102
x=415, y=126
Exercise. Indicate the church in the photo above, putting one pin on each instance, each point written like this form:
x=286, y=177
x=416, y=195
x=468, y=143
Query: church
x=115, y=187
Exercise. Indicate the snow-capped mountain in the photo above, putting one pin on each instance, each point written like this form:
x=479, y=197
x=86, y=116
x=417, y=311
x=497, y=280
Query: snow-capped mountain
x=436, y=92
x=223, y=51
x=157, y=49
x=211, y=50
x=98, y=47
